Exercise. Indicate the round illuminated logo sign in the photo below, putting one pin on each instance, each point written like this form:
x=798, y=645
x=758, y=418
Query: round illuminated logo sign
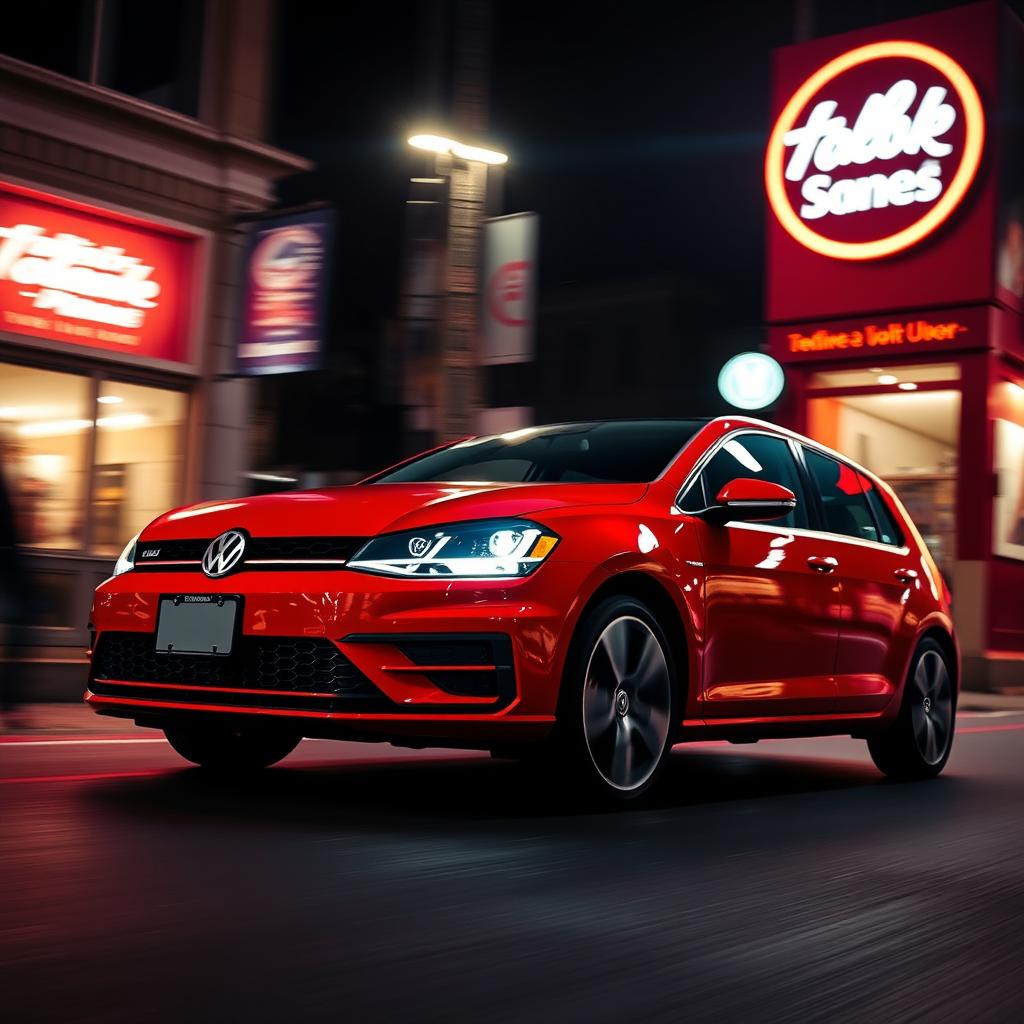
x=287, y=258
x=507, y=293
x=875, y=150
x=751, y=380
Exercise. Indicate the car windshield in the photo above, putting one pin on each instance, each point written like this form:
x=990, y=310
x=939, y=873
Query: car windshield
x=626, y=451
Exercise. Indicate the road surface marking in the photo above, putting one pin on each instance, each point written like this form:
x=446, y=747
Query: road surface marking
x=993, y=728
x=92, y=777
x=16, y=741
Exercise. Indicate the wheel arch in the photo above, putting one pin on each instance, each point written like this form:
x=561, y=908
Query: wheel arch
x=647, y=588
x=944, y=638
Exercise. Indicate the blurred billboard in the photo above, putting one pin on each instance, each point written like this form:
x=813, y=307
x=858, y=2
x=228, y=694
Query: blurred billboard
x=509, y=288
x=284, y=295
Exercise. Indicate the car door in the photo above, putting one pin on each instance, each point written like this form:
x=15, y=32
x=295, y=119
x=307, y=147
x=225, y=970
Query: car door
x=772, y=604
x=877, y=578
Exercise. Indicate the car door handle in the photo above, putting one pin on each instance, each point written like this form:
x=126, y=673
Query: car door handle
x=905, y=575
x=823, y=563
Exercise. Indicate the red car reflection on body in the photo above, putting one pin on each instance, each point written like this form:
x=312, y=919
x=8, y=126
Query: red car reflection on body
x=589, y=593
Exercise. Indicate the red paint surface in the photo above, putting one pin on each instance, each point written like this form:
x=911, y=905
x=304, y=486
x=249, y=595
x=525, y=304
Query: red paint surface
x=762, y=634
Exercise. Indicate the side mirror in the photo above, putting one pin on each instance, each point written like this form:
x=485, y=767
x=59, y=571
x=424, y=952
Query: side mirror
x=751, y=501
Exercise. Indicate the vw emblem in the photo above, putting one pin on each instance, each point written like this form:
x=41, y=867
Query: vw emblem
x=418, y=546
x=224, y=553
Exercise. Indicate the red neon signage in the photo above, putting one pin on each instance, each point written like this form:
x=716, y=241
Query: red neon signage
x=74, y=274
x=875, y=150
x=880, y=338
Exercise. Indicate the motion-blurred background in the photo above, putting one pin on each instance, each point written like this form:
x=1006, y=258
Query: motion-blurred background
x=244, y=247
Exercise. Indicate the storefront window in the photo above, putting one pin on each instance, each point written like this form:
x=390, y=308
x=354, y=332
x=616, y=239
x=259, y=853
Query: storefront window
x=138, y=470
x=112, y=44
x=45, y=423
x=1008, y=523
x=903, y=423
x=887, y=378
x=56, y=35
x=55, y=445
x=168, y=74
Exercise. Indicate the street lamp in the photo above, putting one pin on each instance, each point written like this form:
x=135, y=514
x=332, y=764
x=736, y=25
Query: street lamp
x=440, y=144
x=467, y=174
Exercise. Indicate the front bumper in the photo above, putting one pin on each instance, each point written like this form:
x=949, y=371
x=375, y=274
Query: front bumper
x=432, y=658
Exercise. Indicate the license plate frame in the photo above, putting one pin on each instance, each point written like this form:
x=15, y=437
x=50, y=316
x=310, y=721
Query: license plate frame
x=198, y=624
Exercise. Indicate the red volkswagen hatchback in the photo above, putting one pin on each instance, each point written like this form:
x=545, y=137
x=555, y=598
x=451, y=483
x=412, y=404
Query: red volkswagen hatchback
x=590, y=592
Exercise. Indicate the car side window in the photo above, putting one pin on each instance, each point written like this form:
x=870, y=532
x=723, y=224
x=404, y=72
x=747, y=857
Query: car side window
x=692, y=499
x=758, y=457
x=888, y=531
x=844, y=504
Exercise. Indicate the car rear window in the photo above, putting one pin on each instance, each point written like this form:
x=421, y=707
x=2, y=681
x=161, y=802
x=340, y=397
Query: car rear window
x=844, y=504
x=624, y=451
x=888, y=530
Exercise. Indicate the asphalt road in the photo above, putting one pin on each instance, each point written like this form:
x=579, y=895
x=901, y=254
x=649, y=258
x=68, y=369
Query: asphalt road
x=783, y=881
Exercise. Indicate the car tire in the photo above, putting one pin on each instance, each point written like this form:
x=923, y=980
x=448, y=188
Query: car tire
x=918, y=743
x=231, y=748
x=618, y=708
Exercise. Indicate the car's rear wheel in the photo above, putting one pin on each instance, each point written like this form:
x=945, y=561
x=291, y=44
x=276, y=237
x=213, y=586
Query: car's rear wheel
x=231, y=748
x=917, y=745
x=618, y=711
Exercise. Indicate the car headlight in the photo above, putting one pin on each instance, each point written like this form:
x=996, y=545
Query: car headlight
x=491, y=549
x=126, y=560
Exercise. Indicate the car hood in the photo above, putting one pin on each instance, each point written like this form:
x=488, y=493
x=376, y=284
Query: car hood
x=368, y=509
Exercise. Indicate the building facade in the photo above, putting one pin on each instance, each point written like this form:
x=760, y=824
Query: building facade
x=895, y=294
x=128, y=151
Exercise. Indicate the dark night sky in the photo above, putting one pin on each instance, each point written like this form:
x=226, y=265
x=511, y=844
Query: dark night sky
x=636, y=130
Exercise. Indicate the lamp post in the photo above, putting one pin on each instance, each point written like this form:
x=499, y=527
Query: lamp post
x=464, y=169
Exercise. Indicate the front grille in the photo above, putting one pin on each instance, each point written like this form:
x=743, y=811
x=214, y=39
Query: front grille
x=303, y=665
x=303, y=547
x=300, y=673
x=282, y=552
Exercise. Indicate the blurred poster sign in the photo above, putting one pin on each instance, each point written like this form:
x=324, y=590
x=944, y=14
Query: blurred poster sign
x=509, y=288
x=284, y=295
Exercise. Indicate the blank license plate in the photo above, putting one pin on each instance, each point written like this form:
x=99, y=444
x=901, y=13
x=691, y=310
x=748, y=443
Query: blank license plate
x=196, y=624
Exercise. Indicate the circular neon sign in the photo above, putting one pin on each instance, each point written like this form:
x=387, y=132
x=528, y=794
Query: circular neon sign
x=751, y=380
x=875, y=150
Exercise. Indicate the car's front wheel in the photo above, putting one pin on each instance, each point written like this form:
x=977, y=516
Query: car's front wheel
x=918, y=743
x=618, y=712
x=231, y=748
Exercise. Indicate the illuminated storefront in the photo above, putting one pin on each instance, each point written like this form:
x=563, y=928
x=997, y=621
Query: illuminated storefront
x=120, y=262
x=91, y=452
x=896, y=287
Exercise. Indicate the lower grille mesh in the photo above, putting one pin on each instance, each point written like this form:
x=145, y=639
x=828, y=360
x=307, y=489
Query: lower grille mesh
x=297, y=673
x=306, y=664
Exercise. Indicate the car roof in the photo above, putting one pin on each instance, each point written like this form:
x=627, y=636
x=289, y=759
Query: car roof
x=606, y=420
